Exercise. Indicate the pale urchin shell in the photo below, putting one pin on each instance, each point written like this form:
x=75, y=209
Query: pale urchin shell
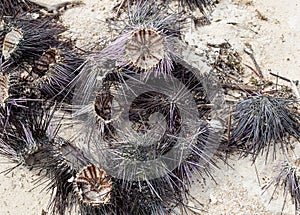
x=11, y=41
x=145, y=49
x=93, y=185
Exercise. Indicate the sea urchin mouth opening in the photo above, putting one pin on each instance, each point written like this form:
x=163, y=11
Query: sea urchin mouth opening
x=145, y=49
x=93, y=186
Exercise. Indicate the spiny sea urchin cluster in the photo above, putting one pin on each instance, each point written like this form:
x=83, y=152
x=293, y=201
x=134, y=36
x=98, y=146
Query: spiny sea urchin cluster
x=144, y=108
x=146, y=126
x=38, y=65
x=145, y=120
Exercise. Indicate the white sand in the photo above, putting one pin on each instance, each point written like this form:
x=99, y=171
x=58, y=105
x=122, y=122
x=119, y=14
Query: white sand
x=276, y=45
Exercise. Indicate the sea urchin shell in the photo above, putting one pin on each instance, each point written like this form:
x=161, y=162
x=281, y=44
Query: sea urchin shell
x=145, y=49
x=11, y=42
x=93, y=185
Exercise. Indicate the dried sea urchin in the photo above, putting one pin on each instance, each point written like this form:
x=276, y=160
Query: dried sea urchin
x=48, y=78
x=27, y=39
x=149, y=42
x=14, y=7
x=263, y=122
x=150, y=39
x=289, y=179
x=148, y=147
x=145, y=49
x=53, y=73
x=26, y=130
x=10, y=43
x=202, y=5
x=30, y=140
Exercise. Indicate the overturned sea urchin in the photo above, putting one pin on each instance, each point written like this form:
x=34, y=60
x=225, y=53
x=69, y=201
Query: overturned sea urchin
x=148, y=43
x=150, y=40
x=27, y=39
x=151, y=134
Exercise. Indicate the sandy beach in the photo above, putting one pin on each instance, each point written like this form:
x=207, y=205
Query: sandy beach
x=272, y=29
